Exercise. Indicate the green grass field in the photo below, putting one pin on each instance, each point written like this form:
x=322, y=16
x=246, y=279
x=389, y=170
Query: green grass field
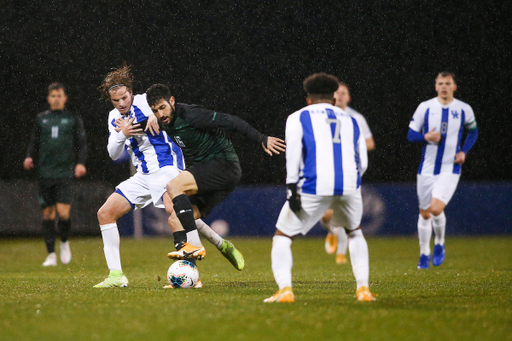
x=467, y=298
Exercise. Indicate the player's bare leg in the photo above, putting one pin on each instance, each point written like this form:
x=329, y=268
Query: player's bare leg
x=282, y=262
x=114, y=208
x=439, y=224
x=64, y=225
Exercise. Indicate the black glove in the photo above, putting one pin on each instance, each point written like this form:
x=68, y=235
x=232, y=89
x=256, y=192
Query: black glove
x=293, y=197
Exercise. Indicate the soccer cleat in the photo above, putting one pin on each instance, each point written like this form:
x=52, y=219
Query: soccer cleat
x=331, y=242
x=51, y=260
x=65, y=252
x=116, y=279
x=188, y=251
x=424, y=261
x=341, y=259
x=438, y=256
x=283, y=295
x=234, y=256
x=363, y=294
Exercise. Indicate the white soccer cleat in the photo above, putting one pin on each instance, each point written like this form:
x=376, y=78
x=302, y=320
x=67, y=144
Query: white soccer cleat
x=65, y=252
x=51, y=260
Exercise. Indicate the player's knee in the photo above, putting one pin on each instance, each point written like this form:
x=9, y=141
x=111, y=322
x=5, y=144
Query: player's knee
x=425, y=214
x=104, y=216
x=436, y=210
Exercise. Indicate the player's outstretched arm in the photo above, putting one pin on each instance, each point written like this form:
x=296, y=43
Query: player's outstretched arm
x=274, y=146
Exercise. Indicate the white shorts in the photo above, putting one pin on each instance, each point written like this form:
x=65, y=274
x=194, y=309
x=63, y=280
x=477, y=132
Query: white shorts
x=441, y=186
x=142, y=189
x=347, y=212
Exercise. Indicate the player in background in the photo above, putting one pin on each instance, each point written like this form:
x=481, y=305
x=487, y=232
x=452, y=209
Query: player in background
x=157, y=161
x=214, y=169
x=336, y=240
x=58, y=141
x=438, y=124
x=325, y=159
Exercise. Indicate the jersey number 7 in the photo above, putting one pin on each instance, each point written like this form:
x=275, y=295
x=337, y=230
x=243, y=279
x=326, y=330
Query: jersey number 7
x=336, y=130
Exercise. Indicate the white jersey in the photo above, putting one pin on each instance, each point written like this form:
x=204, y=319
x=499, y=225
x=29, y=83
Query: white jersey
x=449, y=120
x=325, y=151
x=361, y=121
x=148, y=153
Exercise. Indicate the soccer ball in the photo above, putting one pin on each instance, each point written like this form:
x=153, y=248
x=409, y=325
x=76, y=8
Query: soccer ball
x=182, y=274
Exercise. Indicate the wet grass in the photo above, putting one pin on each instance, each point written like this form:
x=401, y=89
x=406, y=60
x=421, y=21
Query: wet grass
x=467, y=298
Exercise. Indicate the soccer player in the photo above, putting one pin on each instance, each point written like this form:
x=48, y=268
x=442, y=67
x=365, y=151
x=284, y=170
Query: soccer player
x=438, y=124
x=214, y=169
x=157, y=161
x=325, y=159
x=58, y=141
x=336, y=240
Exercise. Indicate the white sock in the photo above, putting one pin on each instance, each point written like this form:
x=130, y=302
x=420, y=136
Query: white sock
x=424, y=235
x=359, y=257
x=207, y=232
x=342, y=241
x=111, y=241
x=282, y=261
x=193, y=238
x=439, y=224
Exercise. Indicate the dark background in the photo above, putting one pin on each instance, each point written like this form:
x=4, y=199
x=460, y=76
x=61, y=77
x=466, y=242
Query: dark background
x=249, y=58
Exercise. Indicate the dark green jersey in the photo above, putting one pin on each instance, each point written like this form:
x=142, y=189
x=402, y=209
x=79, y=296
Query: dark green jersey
x=58, y=141
x=201, y=135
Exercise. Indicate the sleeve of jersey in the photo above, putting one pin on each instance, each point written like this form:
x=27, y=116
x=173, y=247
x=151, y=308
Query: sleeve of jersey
x=294, y=134
x=418, y=119
x=33, y=146
x=363, y=155
x=469, y=122
x=80, y=141
x=367, y=133
x=116, y=140
x=203, y=118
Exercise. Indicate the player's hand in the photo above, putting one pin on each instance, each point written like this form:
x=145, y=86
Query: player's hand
x=128, y=128
x=460, y=158
x=293, y=198
x=80, y=170
x=152, y=125
x=274, y=145
x=28, y=163
x=432, y=136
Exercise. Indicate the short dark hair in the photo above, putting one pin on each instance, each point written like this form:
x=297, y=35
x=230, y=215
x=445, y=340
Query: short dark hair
x=447, y=74
x=56, y=86
x=321, y=85
x=117, y=77
x=157, y=92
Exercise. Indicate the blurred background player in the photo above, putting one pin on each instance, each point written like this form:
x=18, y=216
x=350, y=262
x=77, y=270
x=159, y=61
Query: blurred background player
x=325, y=158
x=58, y=142
x=336, y=240
x=438, y=125
x=157, y=161
x=213, y=167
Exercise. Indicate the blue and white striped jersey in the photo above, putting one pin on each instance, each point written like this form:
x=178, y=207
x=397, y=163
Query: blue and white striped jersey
x=449, y=120
x=325, y=151
x=148, y=153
